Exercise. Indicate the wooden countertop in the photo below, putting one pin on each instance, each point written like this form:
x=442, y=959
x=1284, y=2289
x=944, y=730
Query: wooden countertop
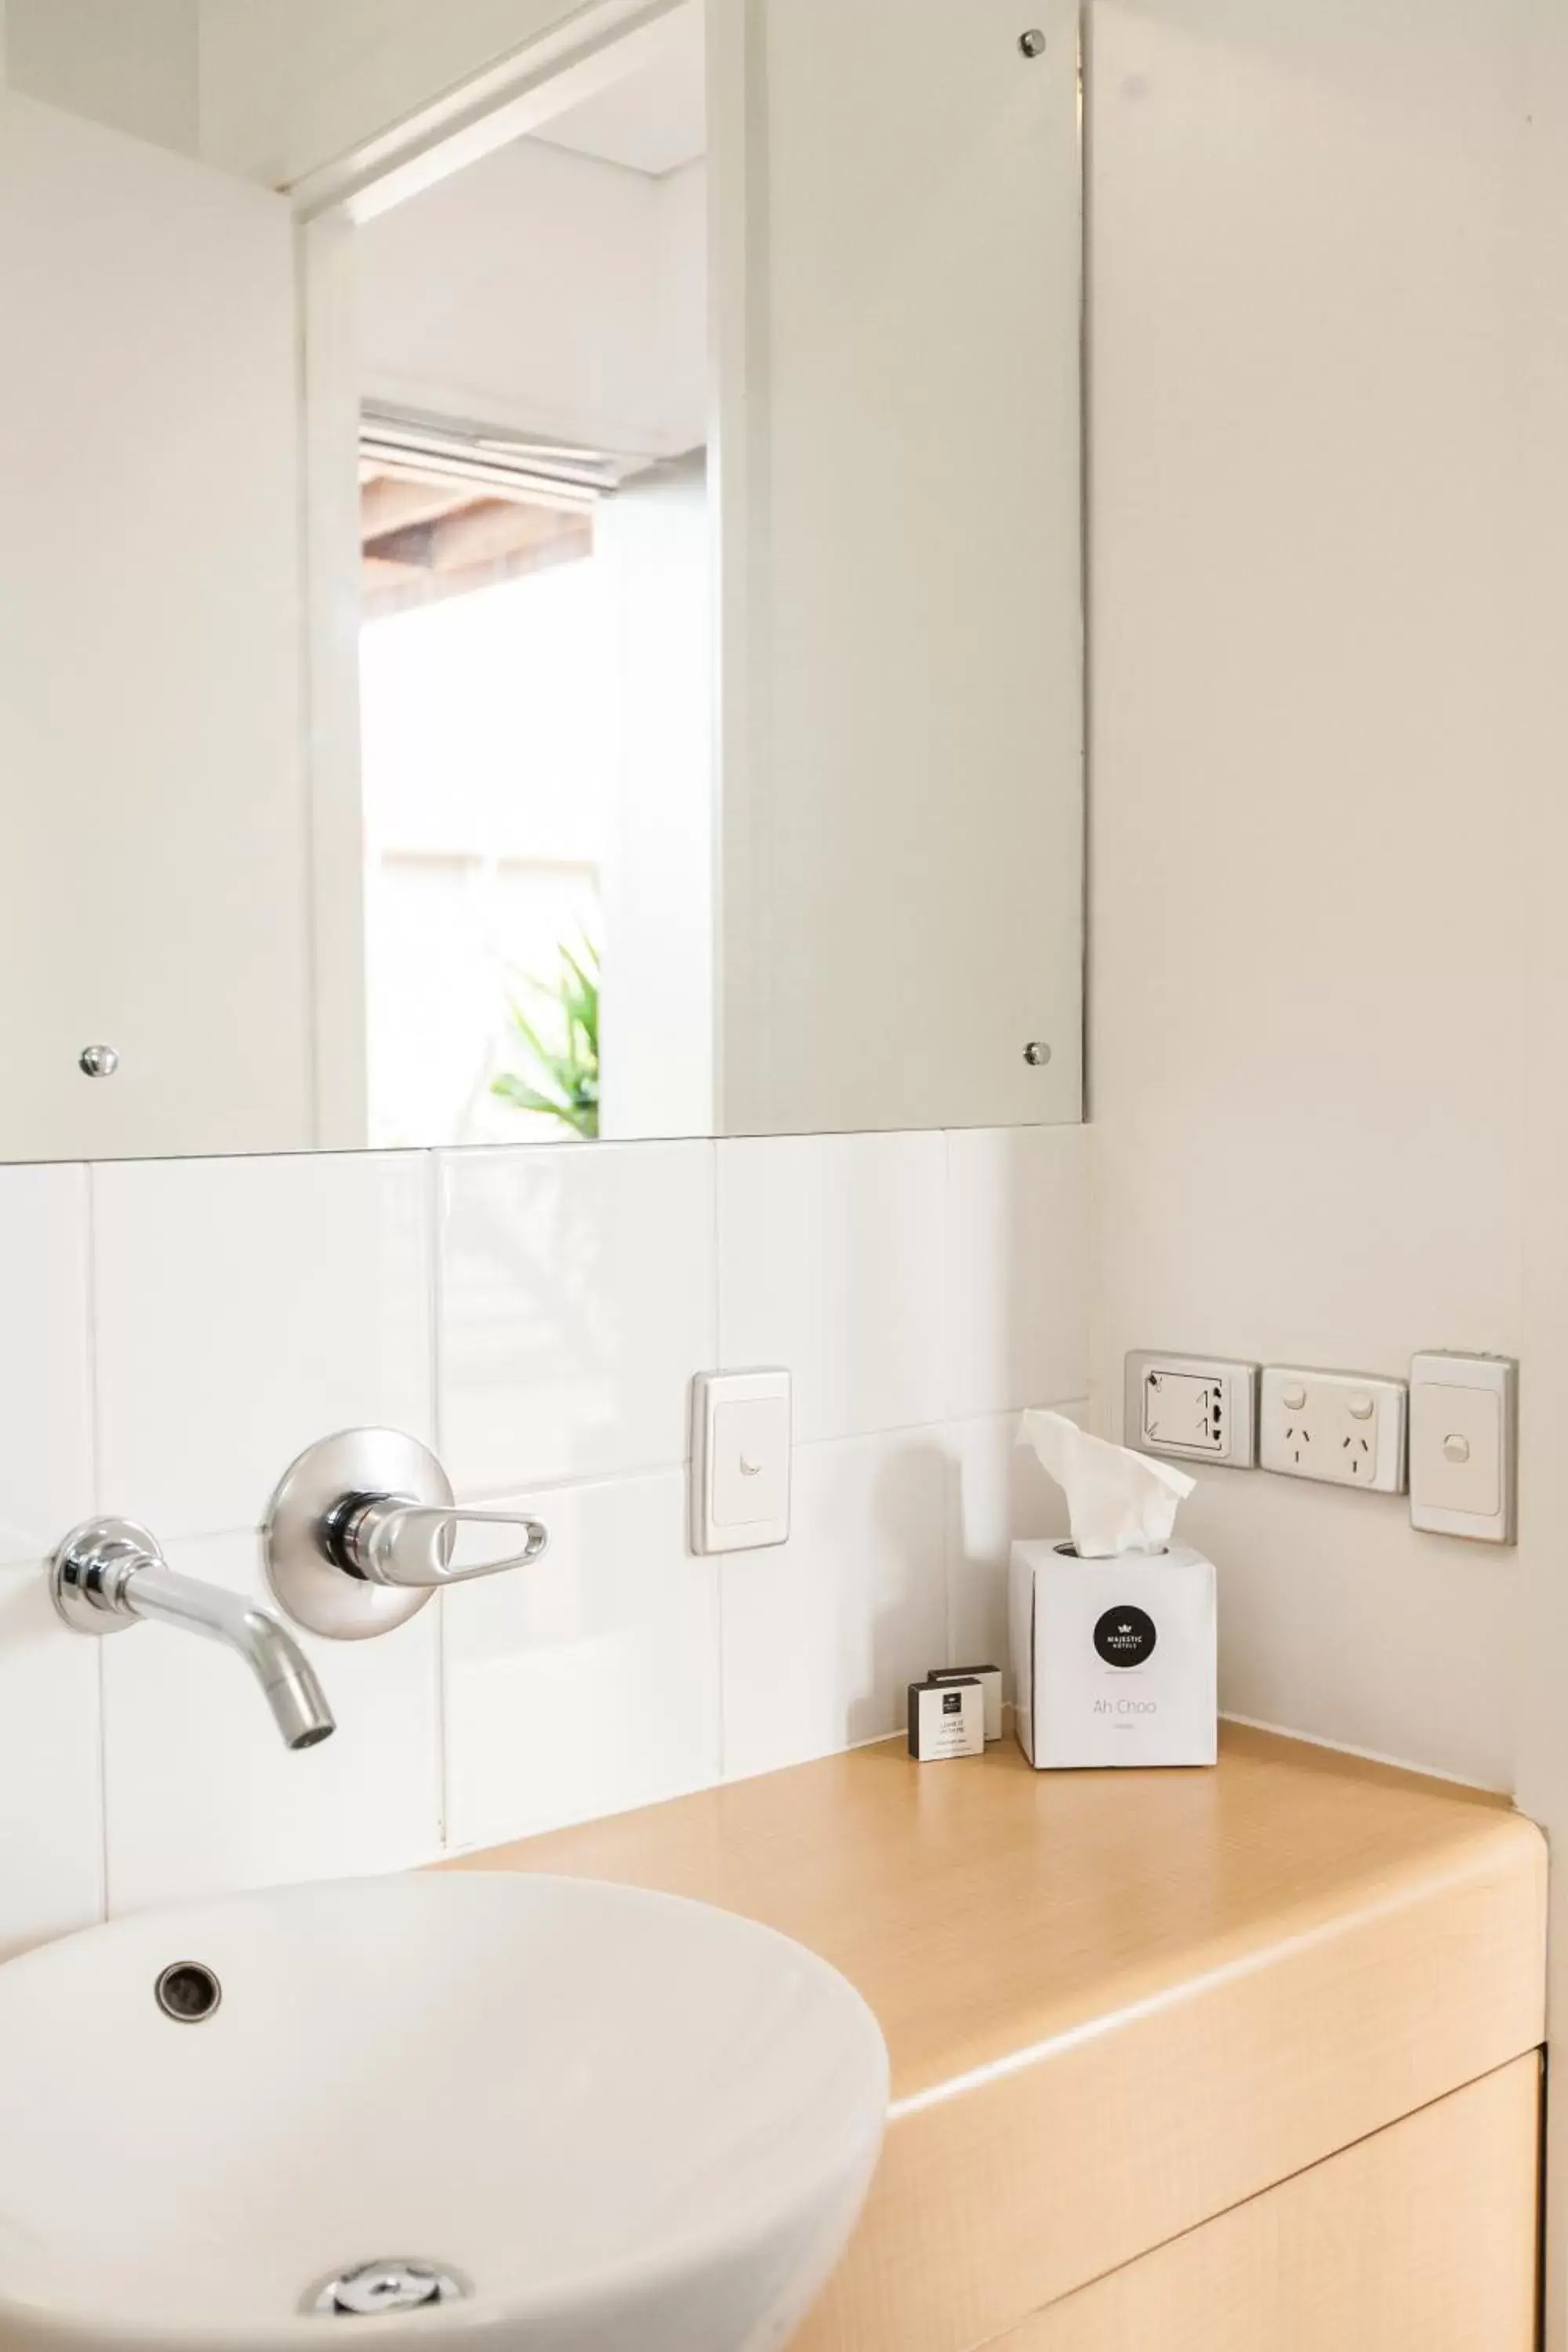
x=1155, y=1992
x=985, y=1908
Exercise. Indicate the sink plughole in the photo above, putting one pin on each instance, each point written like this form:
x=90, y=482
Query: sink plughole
x=603, y=2118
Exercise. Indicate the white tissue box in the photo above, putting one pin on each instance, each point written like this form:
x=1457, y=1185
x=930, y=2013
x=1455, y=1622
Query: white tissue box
x=1113, y=1660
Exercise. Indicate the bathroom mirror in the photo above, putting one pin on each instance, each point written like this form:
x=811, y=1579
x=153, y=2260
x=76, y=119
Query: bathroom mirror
x=542, y=564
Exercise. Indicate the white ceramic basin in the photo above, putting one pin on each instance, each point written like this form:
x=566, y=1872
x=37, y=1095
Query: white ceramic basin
x=619, y=2121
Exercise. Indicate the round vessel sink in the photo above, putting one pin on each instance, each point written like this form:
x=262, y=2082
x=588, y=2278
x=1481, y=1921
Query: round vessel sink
x=465, y=2109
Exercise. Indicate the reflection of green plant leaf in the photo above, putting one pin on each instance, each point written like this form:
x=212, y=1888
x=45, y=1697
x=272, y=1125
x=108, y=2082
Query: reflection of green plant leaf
x=513, y=1089
x=572, y=1069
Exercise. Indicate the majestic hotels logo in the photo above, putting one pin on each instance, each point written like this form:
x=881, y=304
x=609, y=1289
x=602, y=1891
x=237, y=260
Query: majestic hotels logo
x=1125, y=1636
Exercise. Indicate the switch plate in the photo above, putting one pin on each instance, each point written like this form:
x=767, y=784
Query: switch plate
x=740, y=1460
x=1463, y=1450
x=1345, y=1429
x=1193, y=1408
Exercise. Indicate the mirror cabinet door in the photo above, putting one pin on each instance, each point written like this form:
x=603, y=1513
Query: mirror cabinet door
x=155, y=870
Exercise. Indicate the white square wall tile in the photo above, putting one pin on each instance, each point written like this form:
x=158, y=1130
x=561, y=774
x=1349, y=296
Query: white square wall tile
x=589, y=1683
x=576, y=1302
x=1017, y=1268
x=824, y=1635
x=203, y=1798
x=831, y=1262
x=51, y=1822
x=45, y=1404
x=997, y=1489
x=246, y=1308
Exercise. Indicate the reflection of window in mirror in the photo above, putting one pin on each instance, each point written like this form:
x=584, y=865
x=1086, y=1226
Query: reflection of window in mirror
x=535, y=629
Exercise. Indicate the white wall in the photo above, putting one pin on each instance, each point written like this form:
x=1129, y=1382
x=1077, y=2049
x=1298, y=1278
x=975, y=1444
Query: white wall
x=131, y=64
x=1312, y=305
x=176, y=1331
x=544, y=290
x=1541, y=1623
x=292, y=84
x=680, y=260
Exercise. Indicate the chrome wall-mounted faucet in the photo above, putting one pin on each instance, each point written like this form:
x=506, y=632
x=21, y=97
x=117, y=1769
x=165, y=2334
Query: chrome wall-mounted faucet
x=363, y=1529
x=110, y=1574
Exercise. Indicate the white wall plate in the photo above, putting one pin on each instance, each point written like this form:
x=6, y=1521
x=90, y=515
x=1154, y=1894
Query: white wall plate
x=1345, y=1429
x=740, y=1460
x=1193, y=1408
x=1463, y=1447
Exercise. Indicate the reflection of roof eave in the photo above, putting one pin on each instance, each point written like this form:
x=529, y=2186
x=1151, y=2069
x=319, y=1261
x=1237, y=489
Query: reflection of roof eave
x=506, y=465
x=429, y=531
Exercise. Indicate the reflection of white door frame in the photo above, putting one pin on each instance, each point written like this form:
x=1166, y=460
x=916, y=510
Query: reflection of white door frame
x=330, y=468
x=656, y=540
x=559, y=69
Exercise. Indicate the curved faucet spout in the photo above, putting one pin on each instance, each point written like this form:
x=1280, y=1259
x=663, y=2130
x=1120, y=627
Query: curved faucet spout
x=111, y=1572
x=287, y=1680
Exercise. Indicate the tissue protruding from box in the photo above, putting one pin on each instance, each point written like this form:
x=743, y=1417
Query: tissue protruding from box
x=1117, y=1501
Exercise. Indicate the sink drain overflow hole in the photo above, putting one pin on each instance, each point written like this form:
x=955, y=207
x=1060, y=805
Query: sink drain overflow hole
x=188, y=1992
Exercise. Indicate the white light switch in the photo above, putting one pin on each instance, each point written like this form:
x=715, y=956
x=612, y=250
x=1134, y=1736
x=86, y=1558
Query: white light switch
x=740, y=1460
x=1462, y=1445
x=750, y=1462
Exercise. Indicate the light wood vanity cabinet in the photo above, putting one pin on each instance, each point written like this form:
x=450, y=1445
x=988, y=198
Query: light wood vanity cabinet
x=1244, y=2060
x=1421, y=2239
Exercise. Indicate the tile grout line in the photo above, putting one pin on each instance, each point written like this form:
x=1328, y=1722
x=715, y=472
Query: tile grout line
x=720, y=1677
x=641, y=1471
x=641, y=1474
x=952, y=1475
x=95, y=1460
x=435, y=1306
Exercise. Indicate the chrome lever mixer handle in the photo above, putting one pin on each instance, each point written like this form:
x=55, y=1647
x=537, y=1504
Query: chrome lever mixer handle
x=364, y=1527
x=393, y=1539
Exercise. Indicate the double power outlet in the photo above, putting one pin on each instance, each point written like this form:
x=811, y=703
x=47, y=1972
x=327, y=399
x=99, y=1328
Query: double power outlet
x=1340, y=1426
x=1337, y=1426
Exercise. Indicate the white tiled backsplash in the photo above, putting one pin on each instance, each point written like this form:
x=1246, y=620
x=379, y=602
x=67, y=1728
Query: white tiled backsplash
x=175, y=1332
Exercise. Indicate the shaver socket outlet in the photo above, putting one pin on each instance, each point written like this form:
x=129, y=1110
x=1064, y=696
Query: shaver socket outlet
x=1193, y=1408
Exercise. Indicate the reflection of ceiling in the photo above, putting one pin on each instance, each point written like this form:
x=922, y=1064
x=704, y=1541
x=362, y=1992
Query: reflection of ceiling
x=424, y=540
x=656, y=119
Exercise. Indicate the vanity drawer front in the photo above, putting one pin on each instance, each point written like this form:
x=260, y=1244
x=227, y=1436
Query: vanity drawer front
x=1421, y=2239
x=1000, y=2203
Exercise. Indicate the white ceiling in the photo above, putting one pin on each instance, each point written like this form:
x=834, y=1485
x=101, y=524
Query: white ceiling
x=653, y=121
